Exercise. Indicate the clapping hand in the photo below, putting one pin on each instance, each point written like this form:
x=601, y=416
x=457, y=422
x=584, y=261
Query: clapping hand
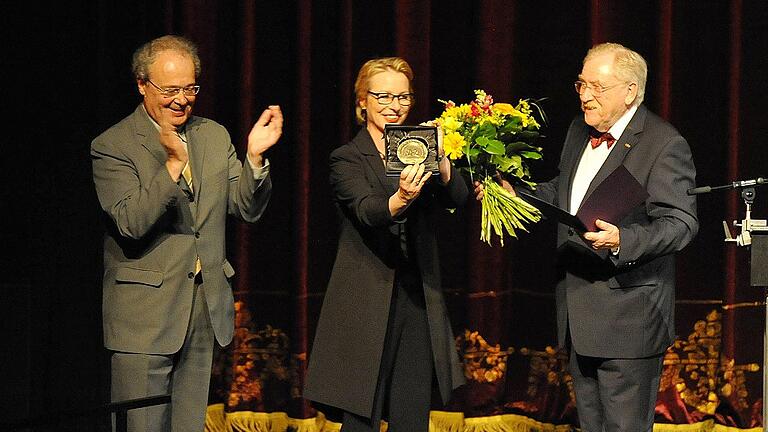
x=265, y=133
x=177, y=155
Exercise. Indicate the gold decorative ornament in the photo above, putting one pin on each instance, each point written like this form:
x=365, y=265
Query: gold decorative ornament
x=412, y=150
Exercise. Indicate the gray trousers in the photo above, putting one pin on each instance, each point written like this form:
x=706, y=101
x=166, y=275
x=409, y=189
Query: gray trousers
x=615, y=395
x=185, y=375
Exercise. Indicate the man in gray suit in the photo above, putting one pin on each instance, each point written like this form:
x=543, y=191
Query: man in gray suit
x=616, y=286
x=166, y=181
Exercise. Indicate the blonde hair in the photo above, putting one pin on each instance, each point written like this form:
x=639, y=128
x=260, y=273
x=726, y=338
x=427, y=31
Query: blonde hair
x=629, y=65
x=371, y=68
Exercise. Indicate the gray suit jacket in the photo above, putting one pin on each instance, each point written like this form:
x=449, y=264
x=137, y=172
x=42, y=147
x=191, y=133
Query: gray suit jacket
x=623, y=307
x=155, y=231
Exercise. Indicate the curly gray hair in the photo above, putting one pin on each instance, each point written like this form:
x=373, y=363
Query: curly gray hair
x=147, y=54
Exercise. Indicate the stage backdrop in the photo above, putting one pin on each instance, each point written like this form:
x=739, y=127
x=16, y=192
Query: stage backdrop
x=707, y=72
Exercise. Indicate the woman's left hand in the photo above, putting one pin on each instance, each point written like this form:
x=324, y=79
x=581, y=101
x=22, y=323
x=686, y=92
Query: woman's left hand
x=443, y=163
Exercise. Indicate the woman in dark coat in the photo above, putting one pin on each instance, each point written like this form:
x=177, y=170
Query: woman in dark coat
x=383, y=333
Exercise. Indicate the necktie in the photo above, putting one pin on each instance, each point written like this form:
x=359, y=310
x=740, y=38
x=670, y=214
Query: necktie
x=187, y=173
x=597, y=138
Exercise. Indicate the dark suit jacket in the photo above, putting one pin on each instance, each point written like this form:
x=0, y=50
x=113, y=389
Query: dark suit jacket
x=346, y=354
x=623, y=307
x=154, y=232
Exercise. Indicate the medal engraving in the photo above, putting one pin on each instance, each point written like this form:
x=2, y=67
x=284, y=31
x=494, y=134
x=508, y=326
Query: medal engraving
x=412, y=150
x=410, y=145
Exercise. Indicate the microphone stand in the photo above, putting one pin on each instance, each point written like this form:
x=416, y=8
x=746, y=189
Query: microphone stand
x=758, y=245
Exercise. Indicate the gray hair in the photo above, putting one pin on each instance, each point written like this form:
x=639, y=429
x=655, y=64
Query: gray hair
x=147, y=54
x=629, y=65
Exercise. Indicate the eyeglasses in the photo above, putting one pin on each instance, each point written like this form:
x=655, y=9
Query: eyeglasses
x=385, y=98
x=597, y=89
x=174, y=91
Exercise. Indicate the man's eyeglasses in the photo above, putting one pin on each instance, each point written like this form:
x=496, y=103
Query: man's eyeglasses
x=385, y=98
x=174, y=91
x=596, y=89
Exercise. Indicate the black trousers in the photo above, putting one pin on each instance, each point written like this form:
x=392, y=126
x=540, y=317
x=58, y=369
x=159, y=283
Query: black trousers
x=615, y=395
x=404, y=389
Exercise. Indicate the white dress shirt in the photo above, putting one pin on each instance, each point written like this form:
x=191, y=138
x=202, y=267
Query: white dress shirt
x=593, y=159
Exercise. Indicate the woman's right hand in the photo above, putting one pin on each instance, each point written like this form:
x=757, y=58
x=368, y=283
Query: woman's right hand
x=412, y=179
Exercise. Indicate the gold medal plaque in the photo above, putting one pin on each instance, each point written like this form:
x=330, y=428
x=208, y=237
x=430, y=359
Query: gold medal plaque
x=412, y=150
x=410, y=145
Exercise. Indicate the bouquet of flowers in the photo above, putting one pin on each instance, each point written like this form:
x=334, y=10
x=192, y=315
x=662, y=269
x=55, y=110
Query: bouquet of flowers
x=486, y=141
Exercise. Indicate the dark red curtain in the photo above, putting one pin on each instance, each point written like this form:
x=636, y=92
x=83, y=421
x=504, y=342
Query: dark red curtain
x=707, y=63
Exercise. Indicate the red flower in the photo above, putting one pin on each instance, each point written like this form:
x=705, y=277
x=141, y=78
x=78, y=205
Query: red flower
x=475, y=109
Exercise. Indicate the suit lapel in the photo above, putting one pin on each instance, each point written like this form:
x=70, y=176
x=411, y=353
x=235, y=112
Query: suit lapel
x=364, y=144
x=626, y=142
x=148, y=135
x=150, y=140
x=196, y=149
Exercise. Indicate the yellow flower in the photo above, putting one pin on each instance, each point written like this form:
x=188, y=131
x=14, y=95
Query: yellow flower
x=457, y=112
x=530, y=122
x=505, y=109
x=524, y=106
x=453, y=144
x=525, y=110
x=450, y=124
x=522, y=111
x=466, y=124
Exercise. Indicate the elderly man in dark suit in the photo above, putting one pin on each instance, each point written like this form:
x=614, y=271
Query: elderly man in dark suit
x=166, y=181
x=616, y=290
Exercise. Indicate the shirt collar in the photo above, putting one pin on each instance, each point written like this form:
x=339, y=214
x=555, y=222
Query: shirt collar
x=618, y=128
x=182, y=131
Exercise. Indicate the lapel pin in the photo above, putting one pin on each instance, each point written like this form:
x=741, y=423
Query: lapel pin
x=627, y=145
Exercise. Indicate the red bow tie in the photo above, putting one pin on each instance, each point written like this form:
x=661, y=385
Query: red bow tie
x=596, y=138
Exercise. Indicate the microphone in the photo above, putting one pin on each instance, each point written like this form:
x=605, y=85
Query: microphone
x=734, y=185
x=699, y=190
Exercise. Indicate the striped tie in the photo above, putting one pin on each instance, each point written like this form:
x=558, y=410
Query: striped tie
x=187, y=173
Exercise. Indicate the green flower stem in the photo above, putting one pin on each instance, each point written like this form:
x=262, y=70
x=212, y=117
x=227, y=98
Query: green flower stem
x=503, y=212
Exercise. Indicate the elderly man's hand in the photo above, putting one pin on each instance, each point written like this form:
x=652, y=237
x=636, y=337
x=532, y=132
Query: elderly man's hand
x=606, y=238
x=480, y=190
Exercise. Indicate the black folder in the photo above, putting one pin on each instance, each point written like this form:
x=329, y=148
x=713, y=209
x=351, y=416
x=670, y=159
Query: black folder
x=552, y=212
x=611, y=201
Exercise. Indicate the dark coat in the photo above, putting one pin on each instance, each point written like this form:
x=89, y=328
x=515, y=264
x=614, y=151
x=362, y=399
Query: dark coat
x=346, y=354
x=623, y=306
